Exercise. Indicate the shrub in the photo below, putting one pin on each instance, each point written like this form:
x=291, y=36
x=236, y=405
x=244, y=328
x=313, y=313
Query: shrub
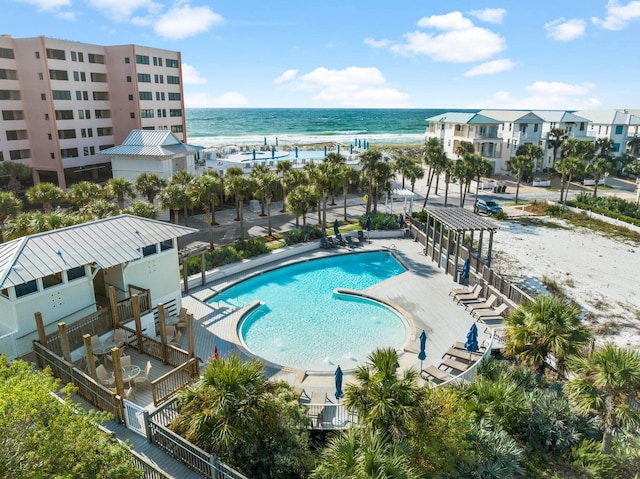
x=555, y=211
x=588, y=458
x=301, y=235
x=227, y=254
x=380, y=221
x=500, y=215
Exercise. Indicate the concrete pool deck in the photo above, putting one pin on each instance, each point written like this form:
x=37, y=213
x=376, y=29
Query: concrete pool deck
x=422, y=292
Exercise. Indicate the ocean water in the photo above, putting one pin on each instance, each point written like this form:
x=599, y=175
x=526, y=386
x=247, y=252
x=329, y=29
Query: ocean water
x=215, y=127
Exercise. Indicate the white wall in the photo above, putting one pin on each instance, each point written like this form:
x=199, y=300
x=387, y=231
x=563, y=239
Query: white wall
x=158, y=272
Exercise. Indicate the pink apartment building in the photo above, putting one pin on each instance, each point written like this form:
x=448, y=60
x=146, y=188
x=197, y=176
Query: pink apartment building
x=62, y=101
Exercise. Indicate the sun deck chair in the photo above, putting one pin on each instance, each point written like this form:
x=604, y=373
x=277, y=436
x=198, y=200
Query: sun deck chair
x=454, y=364
x=340, y=240
x=492, y=312
x=461, y=298
x=332, y=242
x=361, y=236
x=433, y=373
x=484, y=305
x=466, y=290
x=324, y=243
x=349, y=241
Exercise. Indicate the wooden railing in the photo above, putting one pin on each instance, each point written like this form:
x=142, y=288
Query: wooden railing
x=166, y=385
x=205, y=464
x=96, y=394
x=330, y=416
x=152, y=347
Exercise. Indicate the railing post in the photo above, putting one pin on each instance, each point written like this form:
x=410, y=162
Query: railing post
x=147, y=429
x=64, y=341
x=163, y=331
x=113, y=302
x=88, y=347
x=135, y=304
x=203, y=270
x=191, y=336
x=215, y=472
x=117, y=371
x=42, y=334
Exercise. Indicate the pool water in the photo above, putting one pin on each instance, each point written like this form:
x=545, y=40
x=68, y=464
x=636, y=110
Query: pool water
x=304, y=325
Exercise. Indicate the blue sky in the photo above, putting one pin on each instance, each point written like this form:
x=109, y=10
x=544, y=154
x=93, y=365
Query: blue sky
x=562, y=54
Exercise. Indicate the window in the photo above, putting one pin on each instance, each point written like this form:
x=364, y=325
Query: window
x=142, y=59
x=8, y=74
x=75, y=273
x=166, y=244
x=46, y=116
x=74, y=57
x=76, y=76
x=616, y=147
x=619, y=129
x=13, y=135
x=535, y=127
x=52, y=280
x=146, y=95
x=64, y=114
x=83, y=76
x=9, y=95
x=132, y=115
x=128, y=79
x=105, y=131
x=105, y=147
x=158, y=78
x=176, y=128
x=160, y=96
x=162, y=113
x=175, y=113
x=61, y=94
x=126, y=60
x=99, y=77
x=81, y=114
x=7, y=53
x=171, y=80
x=69, y=153
x=144, y=78
x=582, y=126
x=78, y=95
x=80, y=57
x=88, y=150
x=26, y=288
x=147, y=113
x=19, y=154
x=103, y=113
x=37, y=55
x=40, y=76
x=4, y=292
x=101, y=96
x=54, y=54
x=171, y=63
x=176, y=97
x=12, y=115
x=93, y=58
x=149, y=250
x=66, y=134
x=57, y=74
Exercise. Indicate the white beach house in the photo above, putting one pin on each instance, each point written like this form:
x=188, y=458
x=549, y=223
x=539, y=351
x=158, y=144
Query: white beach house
x=65, y=274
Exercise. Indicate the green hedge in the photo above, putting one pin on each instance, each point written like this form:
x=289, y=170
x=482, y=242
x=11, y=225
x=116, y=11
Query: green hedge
x=380, y=221
x=612, y=204
x=603, y=211
x=227, y=254
x=301, y=235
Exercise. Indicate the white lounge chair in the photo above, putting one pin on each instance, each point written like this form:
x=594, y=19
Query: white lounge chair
x=484, y=305
x=492, y=312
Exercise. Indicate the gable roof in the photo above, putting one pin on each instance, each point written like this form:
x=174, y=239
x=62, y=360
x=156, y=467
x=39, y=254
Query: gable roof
x=150, y=143
x=462, y=117
x=106, y=242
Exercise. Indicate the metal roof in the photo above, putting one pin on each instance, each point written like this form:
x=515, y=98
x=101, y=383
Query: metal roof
x=458, y=219
x=106, y=242
x=150, y=143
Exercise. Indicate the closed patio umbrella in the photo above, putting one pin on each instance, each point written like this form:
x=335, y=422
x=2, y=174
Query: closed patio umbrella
x=338, y=383
x=422, y=355
x=367, y=223
x=472, y=339
x=336, y=227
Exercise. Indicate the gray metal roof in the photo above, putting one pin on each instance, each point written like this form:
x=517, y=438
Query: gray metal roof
x=459, y=219
x=106, y=242
x=150, y=143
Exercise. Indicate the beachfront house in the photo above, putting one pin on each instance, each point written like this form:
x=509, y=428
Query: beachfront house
x=620, y=126
x=65, y=274
x=152, y=151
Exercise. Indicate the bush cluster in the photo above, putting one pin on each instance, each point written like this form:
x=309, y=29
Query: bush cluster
x=227, y=254
x=381, y=221
x=301, y=235
x=610, y=206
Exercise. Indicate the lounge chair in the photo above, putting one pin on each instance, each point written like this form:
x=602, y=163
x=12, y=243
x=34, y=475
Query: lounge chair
x=324, y=243
x=433, y=372
x=340, y=240
x=355, y=240
x=361, y=236
x=463, y=355
x=350, y=242
x=484, y=305
x=492, y=312
x=332, y=242
x=455, y=364
x=460, y=298
x=464, y=290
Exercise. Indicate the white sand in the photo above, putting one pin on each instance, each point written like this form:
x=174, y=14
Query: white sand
x=598, y=273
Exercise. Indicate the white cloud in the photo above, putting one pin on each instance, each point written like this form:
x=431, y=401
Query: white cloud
x=47, y=5
x=459, y=40
x=118, y=10
x=186, y=21
x=490, y=15
x=457, y=46
x=350, y=87
x=191, y=76
x=565, y=30
x=378, y=43
x=542, y=95
x=286, y=76
x=206, y=100
x=490, y=68
x=448, y=21
x=618, y=16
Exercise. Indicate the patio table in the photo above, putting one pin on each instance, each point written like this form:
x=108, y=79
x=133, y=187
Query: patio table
x=103, y=349
x=129, y=373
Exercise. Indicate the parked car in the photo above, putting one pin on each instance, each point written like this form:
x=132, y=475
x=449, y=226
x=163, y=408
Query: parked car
x=488, y=207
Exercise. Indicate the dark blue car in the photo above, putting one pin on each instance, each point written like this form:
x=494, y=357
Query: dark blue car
x=488, y=207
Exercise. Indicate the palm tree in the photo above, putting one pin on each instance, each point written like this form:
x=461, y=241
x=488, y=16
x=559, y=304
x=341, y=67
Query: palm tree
x=83, y=192
x=257, y=171
x=556, y=138
x=383, y=175
x=634, y=169
x=603, y=162
x=463, y=148
x=302, y=199
x=174, y=197
x=46, y=194
x=607, y=382
x=282, y=168
x=403, y=166
x=447, y=169
x=239, y=187
x=368, y=161
x=16, y=172
x=547, y=325
x=9, y=206
x=181, y=177
x=325, y=178
x=574, y=155
x=335, y=159
x=533, y=152
x=230, y=173
x=97, y=209
x=415, y=173
x=521, y=165
x=383, y=400
x=266, y=183
x=149, y=185
x=435, y=158
x=633, y=145
x=204, y=190
x=142, y=209
x=478, y=167
x=348, y=175
x=19, y=225
x=362, y=453
x=120, y=188
x=462, y=173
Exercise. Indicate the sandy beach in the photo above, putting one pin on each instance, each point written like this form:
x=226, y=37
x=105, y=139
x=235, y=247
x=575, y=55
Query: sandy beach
x=598, y=273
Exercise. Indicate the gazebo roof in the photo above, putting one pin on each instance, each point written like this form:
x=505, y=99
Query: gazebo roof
x=459, y=219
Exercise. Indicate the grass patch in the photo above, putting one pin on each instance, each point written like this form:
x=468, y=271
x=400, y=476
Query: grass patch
x=553, y=286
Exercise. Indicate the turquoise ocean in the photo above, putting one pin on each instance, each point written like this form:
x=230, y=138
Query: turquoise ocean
x=216, y=127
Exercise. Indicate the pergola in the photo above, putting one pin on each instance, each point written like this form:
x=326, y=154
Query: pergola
x=197, y=248
x=458, y=221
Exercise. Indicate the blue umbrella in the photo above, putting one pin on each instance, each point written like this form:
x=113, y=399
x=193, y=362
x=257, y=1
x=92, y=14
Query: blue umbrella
x=422, y=355
x=466, y=268
x=350, y=149
x=338, y=383
x=472, y=339
x=325, y=151
x=296, y=152
x=273, y=152
x=338, y=148
x=336, y=227
x=254, y=154
x=265, y=140
x=367, y=223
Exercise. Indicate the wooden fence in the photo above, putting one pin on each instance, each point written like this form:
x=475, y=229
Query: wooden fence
x=205, y=464
x=166, y=385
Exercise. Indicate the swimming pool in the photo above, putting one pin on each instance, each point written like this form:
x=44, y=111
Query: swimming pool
x=304, y=325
